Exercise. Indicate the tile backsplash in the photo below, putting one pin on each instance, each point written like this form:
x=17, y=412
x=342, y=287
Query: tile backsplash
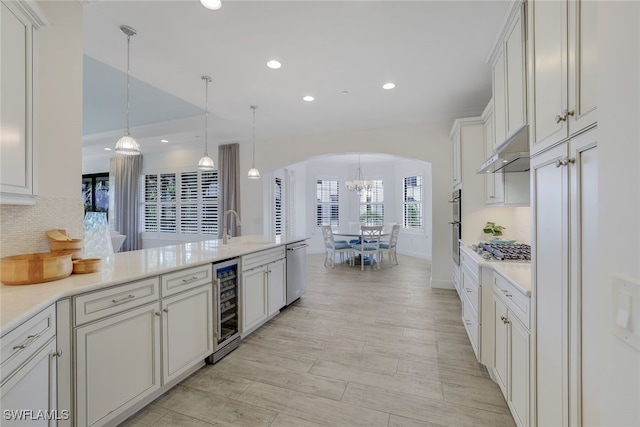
x=23, y=228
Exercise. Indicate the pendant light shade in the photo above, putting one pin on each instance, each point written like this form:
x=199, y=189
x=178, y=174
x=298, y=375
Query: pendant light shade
x=211, y=4
x=206, y=162
x=127, y=145
x=253, y=172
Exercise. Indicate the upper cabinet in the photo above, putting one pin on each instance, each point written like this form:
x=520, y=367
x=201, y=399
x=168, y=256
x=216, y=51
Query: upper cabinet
x=563, y=70
x=20, y=20
x=508, y=62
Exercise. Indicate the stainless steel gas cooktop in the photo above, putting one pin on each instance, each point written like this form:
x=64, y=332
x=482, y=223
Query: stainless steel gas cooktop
x=503, y=252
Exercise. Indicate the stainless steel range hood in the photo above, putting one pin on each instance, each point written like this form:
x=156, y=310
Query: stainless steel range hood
x=511, y=156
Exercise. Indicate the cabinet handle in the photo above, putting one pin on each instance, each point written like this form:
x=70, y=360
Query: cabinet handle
x=569, y=160
x=116, y=301
x=190, y=280
x=559, y=163
x=57, y=353
x=468, y=323
x=503, y=318
x=157, y=313
x=26, y=343
x=565, y=114
x=508, y=295
x=166, y=310
x=468, y=290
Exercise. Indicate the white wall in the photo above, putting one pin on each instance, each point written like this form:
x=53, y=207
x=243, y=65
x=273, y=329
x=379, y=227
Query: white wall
x=618, y=370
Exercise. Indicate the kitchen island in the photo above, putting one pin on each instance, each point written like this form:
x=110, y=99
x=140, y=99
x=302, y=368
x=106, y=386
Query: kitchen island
x=93, y=349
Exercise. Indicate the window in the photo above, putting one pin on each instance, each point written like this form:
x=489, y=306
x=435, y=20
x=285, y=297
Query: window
x=372, y=204
x=95, y=192
x=327, y=202
x=278, y=206
x=181, y=203
x=412, y=205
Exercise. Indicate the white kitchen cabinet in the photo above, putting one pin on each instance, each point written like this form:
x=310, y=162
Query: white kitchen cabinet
x=263, y=287
x=511, y=363
x=20, y=22
x=564, y=219
x=28, y=371
x=277, y=286
x=455, y=152
x=494, y=185
x=187, y=330
x=118, y=363
x=470, y=295
x=508, y=63
x=563, y=74
x=33, y=388
x=254, y=299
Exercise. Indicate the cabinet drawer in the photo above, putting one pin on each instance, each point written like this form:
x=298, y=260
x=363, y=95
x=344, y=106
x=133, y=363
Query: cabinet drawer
x=470, y=287
x=518, y=303
x=263, y=257
x=471, y=265
x=182, y=280
x=95, y=305
x=25, y=340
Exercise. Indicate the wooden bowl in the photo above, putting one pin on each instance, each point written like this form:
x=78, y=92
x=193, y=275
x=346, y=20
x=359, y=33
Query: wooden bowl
x=74, y=246
x=35, y=268
x=86, y=265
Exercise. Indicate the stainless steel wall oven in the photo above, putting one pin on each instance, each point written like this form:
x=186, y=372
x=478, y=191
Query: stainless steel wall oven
x=456, y=224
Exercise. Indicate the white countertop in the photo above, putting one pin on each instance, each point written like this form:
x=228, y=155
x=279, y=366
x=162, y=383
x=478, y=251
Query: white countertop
x=18, y=303
x=518, y=273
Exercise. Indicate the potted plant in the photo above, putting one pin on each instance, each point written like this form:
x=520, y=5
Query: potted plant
x=493, y=229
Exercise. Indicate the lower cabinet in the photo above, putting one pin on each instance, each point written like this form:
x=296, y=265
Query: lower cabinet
x=117, y=364
x=29, y=395
x=254, y=299
x=187, y=331
x=263, y=289
x=137, y=347
x=511, y=367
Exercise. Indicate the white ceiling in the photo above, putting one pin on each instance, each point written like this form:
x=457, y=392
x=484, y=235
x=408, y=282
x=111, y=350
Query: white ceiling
x=434, y=51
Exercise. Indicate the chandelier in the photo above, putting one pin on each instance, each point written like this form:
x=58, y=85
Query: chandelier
x=359, y=185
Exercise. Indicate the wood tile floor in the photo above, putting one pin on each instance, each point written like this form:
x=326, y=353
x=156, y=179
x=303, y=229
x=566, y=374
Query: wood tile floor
x=372, y=348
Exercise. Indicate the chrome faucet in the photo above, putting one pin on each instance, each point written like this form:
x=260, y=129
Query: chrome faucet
x=224, y=221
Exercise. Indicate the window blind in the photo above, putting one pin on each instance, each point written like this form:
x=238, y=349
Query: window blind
x=412, y=210
x=327, y=202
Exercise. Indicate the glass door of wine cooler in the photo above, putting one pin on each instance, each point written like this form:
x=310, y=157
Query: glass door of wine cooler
x=226, y=309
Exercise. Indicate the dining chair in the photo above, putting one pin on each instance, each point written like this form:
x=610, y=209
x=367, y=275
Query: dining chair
x=332, y=247
x=390, y=246
x=369, y=245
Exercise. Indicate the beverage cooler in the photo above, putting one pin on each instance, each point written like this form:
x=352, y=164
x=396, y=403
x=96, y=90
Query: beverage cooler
x=226, y=315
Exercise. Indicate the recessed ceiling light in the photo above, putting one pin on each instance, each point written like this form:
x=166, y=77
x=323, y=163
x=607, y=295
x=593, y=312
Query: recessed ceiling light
x=345, y=92
x=388, y=85
x=308, y=98
x=273, y=64
x=107, y=149
x=164, y=140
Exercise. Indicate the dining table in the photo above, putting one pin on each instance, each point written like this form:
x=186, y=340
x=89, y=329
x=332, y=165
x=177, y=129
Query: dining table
x=351, y=236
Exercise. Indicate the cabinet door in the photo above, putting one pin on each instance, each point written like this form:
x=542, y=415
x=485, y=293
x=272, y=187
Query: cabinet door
x=583, y=64
x=117, y=364
x=187, y=330
x=32, y=388
x=277, y=286
x=518, y=396
x=551, y=305
x=16, y=151
x=499, y=100
x=501, y=349
x=515, y=78
x=254, y=299
x=548, y=24
x=457, y=161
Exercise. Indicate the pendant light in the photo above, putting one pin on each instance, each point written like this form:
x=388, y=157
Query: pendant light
x=253, y=172
x=206, y=162
x=359, y=185
x=127, y=145
x=211, y=4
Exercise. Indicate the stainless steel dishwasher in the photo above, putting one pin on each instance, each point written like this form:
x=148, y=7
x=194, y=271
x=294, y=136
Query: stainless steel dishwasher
x=296, y=271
